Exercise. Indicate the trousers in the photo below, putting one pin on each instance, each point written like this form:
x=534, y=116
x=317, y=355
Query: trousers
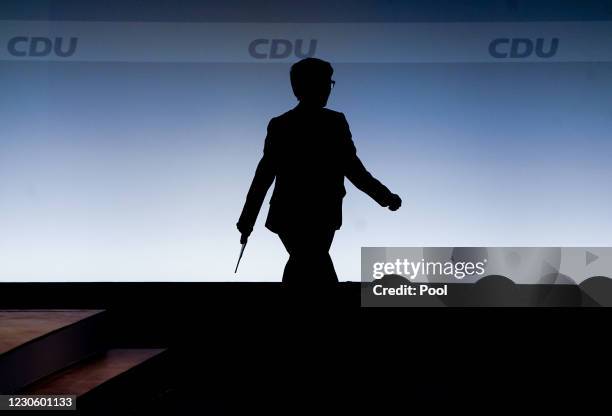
x=309, y=261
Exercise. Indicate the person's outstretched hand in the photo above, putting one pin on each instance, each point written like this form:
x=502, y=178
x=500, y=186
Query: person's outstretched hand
x=395, y=202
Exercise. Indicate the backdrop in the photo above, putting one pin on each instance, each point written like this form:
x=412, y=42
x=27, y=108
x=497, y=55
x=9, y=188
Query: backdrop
x=129, y=158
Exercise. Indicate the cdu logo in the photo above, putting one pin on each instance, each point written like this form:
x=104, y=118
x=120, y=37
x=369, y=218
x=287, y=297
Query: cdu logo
x=40, y=46
x=281, y=48
x=523, y=47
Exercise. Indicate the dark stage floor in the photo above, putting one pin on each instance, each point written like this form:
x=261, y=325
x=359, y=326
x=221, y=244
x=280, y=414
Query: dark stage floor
x=242, y=348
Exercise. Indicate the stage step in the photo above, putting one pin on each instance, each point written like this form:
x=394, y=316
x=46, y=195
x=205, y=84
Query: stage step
x=115, y=379
x=37, y=343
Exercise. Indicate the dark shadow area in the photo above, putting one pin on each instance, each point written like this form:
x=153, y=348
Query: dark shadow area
x=597, y=291
x=244, y=348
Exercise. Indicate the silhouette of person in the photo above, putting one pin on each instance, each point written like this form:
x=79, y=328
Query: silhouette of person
x=308, y=151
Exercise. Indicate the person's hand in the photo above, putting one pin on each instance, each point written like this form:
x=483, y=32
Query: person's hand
x=243, y=238
x=245, y=232
x=394, y=202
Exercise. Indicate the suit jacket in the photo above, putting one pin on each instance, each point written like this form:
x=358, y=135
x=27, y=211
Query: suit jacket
x=308, y=152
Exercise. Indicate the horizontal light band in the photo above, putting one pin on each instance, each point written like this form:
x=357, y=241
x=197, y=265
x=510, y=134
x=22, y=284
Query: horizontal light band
x=492, y=42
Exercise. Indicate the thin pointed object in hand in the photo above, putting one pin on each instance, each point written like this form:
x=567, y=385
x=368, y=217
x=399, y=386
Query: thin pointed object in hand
x=240, y=257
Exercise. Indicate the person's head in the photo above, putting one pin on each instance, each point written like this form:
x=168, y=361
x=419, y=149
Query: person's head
x=311, y=81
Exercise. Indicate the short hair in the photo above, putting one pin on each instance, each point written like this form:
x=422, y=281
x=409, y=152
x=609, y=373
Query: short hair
x=307, y=73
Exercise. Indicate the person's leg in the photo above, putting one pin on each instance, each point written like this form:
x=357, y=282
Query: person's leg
x=290, y=268
x=309, y=260
x=327, y=265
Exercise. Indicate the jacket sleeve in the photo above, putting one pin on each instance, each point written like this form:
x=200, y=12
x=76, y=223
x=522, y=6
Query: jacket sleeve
x=357, y=173
x=264, y=176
